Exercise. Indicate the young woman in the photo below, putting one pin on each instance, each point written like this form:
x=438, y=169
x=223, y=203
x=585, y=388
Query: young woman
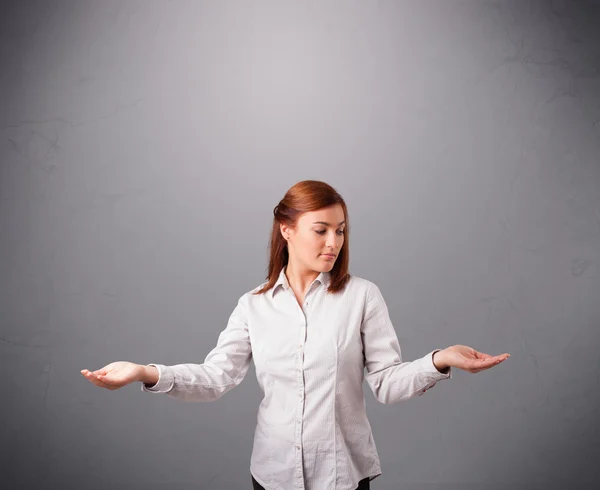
x=315, y=333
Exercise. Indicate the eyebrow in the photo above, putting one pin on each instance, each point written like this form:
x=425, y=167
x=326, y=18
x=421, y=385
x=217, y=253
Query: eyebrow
x=327, y=224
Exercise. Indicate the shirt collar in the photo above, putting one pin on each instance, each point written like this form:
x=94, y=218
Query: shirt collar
x=324, y=278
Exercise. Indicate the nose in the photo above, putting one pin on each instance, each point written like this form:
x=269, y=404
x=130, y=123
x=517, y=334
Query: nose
x=332, y=240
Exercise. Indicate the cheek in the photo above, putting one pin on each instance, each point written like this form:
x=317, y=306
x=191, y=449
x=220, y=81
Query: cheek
x=311, y=244
x=316, y=244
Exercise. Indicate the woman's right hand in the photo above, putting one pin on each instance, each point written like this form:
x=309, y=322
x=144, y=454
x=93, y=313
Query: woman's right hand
x=115, y=375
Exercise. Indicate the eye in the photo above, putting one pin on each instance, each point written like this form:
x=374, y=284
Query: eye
x=321, y=232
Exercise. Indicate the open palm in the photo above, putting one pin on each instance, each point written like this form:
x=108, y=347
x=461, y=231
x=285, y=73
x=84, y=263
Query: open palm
x=114, y=375
x=468, y=359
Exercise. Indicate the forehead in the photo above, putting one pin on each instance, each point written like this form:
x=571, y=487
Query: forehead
x=331, y=214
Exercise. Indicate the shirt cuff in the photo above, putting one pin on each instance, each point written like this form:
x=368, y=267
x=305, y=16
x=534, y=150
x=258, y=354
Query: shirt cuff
x=429, y=367
x=431, y=372
x=442, y=375
x=165, y=380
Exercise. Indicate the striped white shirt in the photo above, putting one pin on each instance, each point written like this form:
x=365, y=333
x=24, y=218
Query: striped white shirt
x=312, y=429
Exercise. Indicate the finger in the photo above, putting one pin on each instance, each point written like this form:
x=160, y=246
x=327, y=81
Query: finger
x=478, y=355
x=112, y=381
x=94, y=380
x=502, y=356
x=481, y=364
x=97, y=372
x=105, y=385
x=489, y=363
x=484, y=356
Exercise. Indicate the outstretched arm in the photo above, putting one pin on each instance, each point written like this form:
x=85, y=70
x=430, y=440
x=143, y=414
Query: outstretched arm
x=223, y=369
x=390, y=379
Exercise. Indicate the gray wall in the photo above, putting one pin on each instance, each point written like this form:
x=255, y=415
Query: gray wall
x=143, y=147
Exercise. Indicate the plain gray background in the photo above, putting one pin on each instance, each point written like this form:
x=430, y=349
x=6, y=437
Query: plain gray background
x=143, y=147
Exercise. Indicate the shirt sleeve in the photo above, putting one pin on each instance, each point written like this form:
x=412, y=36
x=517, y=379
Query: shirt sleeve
x=390, y=379
x=223, y=369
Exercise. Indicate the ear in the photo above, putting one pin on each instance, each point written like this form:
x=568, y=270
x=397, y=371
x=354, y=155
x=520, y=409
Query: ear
x=285, y=230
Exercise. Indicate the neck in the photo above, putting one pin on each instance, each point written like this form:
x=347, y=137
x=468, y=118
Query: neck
x=299, y=278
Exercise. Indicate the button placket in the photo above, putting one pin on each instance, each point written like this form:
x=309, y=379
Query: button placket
x=300, y=406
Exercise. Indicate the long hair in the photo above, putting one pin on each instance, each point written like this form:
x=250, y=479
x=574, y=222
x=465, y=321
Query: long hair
x=303, y=197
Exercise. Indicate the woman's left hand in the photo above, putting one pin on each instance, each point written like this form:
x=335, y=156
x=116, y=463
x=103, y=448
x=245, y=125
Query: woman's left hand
x=468, y=359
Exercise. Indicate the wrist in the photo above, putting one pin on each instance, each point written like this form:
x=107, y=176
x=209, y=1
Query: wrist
x=148, y=375
x=439, y=361
x=141, y=373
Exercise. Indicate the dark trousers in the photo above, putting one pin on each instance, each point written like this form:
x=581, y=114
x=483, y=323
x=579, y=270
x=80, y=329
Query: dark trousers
x=362, y=485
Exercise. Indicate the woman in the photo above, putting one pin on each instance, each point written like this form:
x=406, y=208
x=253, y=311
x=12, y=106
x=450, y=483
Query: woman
x=315, y=333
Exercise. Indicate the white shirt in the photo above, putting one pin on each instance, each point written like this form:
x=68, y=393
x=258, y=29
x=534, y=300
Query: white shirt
x=312, y=431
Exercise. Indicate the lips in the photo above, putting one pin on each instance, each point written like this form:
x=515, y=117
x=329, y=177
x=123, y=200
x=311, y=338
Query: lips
x=329, y=255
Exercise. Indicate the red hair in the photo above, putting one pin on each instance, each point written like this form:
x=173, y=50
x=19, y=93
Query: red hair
x=303, y=197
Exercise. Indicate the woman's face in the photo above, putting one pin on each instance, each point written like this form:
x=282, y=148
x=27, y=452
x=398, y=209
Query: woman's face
x=317, y=234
